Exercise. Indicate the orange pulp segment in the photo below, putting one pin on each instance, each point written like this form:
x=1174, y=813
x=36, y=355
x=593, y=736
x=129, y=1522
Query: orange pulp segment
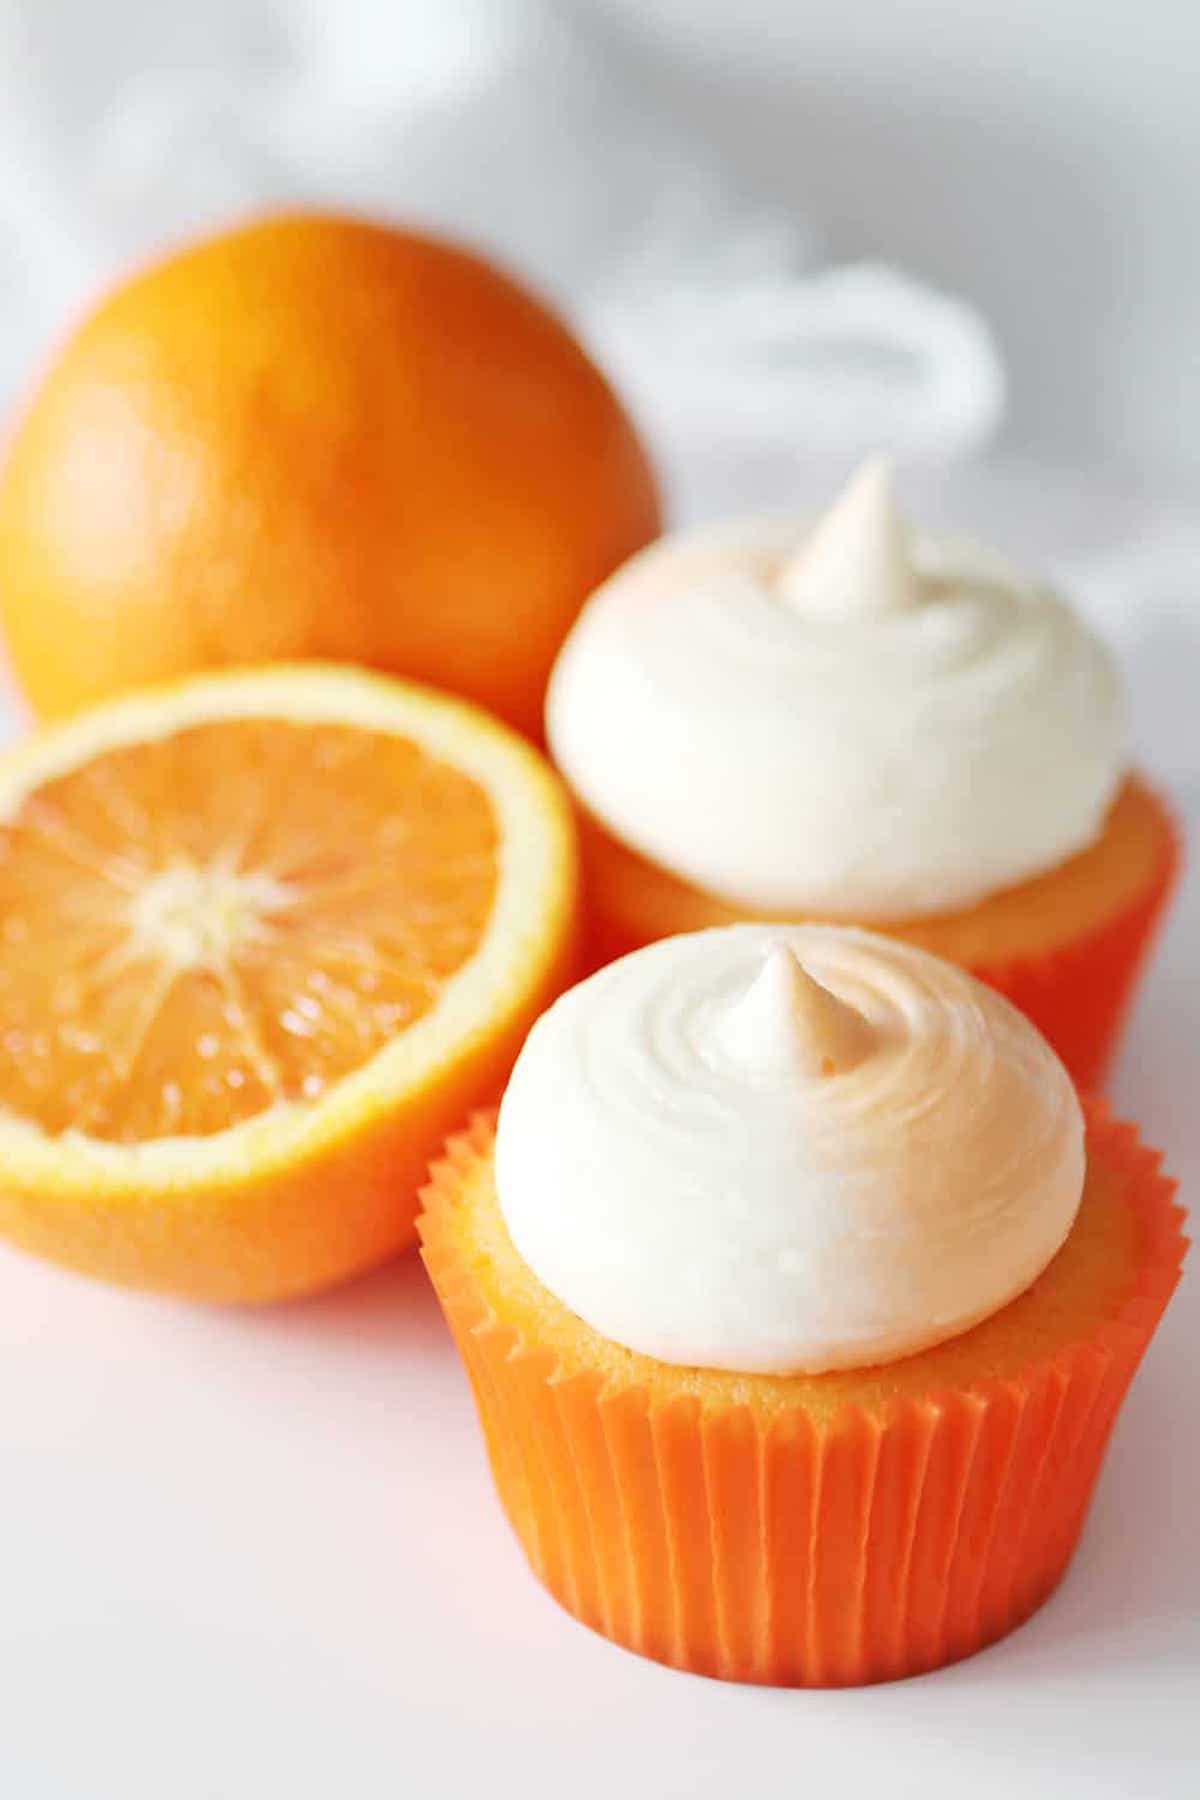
x=200, y=926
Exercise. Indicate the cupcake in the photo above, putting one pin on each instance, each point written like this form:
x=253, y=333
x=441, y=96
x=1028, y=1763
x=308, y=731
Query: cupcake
x=798, y=1292
x=866, y=724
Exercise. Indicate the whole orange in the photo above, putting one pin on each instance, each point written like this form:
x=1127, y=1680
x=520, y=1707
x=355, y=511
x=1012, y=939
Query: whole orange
x=315, y=436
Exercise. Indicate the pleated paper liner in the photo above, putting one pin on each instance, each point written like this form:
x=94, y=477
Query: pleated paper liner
x=1077, y=993
x=812, y=1531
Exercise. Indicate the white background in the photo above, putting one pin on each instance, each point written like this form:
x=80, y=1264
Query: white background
x=256, y=1555
x=1040, y=156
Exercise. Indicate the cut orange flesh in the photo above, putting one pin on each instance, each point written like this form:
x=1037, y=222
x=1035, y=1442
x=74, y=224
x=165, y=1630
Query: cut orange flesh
x=184, y=944
x=244, y=921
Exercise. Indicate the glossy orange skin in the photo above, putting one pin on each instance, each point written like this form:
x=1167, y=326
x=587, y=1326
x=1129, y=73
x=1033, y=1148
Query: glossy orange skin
x=314, y=436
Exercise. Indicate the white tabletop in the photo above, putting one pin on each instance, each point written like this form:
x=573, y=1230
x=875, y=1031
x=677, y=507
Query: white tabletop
x=257, y=1554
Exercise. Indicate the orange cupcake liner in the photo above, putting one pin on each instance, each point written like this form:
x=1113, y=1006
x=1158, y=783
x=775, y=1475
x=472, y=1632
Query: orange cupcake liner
x=765, y=1547
x=1079, y=994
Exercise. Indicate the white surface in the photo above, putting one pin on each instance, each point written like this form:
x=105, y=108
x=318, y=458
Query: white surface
x=258, y=1555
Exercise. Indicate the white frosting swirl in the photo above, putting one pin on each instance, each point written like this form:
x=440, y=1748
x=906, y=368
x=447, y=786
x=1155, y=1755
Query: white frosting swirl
x=721, y=1160
x=864, y=722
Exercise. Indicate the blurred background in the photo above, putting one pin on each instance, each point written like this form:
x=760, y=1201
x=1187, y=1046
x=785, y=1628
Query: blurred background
x=1039, y=158
x=791, y=233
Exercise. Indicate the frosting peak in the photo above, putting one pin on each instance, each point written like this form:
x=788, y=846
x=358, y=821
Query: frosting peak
x=785, y=1022
x=871, y=723
x=857, y=559
x=666, y=1170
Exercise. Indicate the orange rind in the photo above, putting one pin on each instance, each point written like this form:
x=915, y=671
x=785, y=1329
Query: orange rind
x=314, y=435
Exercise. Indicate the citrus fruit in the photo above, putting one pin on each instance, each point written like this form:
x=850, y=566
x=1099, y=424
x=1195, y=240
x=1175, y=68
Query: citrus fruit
x=264, y=938
x=314, y=437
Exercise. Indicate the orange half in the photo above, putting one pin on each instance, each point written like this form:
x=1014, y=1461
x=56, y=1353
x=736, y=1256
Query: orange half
x=264, y=938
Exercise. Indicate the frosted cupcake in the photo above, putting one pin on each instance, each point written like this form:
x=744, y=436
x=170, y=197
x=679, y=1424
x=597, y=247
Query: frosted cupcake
x=798, y=1292
x=864, y=723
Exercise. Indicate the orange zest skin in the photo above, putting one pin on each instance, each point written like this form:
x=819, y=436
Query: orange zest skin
x=1066, y=946
x=251, y=970
x=807, y=1530
x=314, y=436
